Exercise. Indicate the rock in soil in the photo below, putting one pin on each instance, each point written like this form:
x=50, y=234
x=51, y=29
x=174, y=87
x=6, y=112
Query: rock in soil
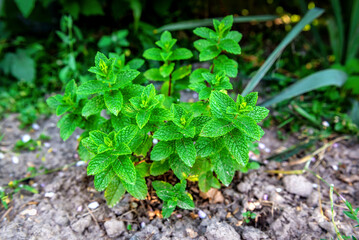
x=221, y=230
x=298, y=185
x=81, y=224
x=251, y=233
x=114, y=228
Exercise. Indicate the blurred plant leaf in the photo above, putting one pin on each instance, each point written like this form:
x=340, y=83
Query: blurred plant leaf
x=307, y=19
x=25, y=6
x=314, y=81
x=208, y=22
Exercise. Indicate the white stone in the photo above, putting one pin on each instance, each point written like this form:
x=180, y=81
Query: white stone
x=93, y=205
x=155, y=141
x=26, y=138
x=31, y=212
x=35, y=126
x=47, y=145
x=80, y=163
x=261, y=145
x=15, y=159
x=2, y=155
x=49, y=194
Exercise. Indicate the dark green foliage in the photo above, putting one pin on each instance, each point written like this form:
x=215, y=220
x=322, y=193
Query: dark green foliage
x=206, y=141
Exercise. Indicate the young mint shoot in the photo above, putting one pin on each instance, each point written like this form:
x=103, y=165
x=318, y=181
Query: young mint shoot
x=143, y=134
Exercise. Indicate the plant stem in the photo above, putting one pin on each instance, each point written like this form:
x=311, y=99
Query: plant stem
x=170, y=85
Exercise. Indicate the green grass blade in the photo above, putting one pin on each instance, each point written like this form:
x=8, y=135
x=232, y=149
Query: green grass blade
x=340, y=29
x=353, y=38
x=208, y=22
x=307, y=19
x=314, y=81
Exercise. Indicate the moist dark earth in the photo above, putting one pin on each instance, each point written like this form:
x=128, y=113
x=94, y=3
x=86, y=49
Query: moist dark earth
x=286, y=206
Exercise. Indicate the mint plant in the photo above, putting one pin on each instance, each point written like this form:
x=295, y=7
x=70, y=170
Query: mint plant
x=142, y=133
x=167, y=53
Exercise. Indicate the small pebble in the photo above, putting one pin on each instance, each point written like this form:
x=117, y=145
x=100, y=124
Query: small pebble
x=26, y=138
x=261, y=145
x=1, y=189
x=77, y=136
x=179, y=215
x=15, y=159
x=76, y=156
x=313, y=159
x=202, y=214
x=267, y=150
x=47, y=145
x=35, y=126
x=154, y=141
x=195, y=95
x=315, y=185
x=2, y=155
x=265, y=197
x=335, y=145
x=278, y=190
x=143, y=224
x=335, y=167
x=49, y=194
x=31, y=212
x=79, y=208
x=42, y=185
x=325, y=124
x=80, y=163
x=93, y=205
x=34, y=185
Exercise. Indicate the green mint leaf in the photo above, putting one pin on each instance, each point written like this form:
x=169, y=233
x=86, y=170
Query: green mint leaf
x=98, y=137
x=143, y=169
x=207, y=181
x=142, y=118
x=223, y=166
x=229, y=66
x=137, y=190
x=160, y=186
x=209, y=53
x=160, y=167
x=70, y=90
x=166, y=70
x=161, y=114
x=63, y=108
x=103, y=179
x=189, y=132
x=124, y=78
x=67, y=125
x=234, y=35
x=186, y=151
x=168, y=132
x=93, y=106
x=135, y=63
x=125, y=169
x=92, y=87
x=122, y=149
x=248, y=126
x=154, y=75
x=251, y=99
x=54, y=101
x=113, y=101
x=153, y=54
x=219, y=102
x=168, y=208
x=228, y=21
x=114, y=192
x=205, y=93
x=204, y=146
x=204, y=32
x=166, y=55
x=185, y=201
x=237, y=145
x=162, y=150
x=180, y=54
x=230, y=46
x=100, y=162
x=181, y=72
x=216, y=128
x=199, y=122
x=89, y=145
x=202, y=44
x=258, y=113
x=149, y=92
x=180, y=169
x=126, y=134
x=120, y=122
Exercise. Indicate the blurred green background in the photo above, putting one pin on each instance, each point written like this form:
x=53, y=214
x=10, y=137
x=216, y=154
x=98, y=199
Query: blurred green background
x=46, y=43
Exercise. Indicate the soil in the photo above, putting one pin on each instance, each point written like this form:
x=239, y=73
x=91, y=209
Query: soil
x=68, y=207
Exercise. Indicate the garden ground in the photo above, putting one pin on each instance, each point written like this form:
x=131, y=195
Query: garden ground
x=68, y=207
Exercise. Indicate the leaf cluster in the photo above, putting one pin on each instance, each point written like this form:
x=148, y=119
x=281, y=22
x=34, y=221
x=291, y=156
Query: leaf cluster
x=132, y=131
